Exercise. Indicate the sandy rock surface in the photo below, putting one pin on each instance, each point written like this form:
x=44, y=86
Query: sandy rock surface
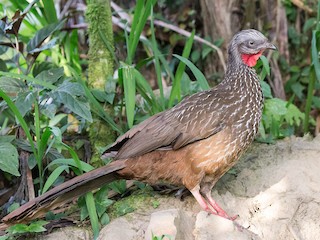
x=275, y=190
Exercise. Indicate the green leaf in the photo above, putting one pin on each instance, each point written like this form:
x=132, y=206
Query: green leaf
x=9, y=161
x=293, y=115
x=157, y=59
x=310, y=23
x=46, y=46
x=265, y=64
x=92, y=214
x=50, y=11
x=36, y=227
x=71, y=162
x=276, y=106
x=44, y=142
x=5, y=237
x=266, y=89
x=51, y=75
x=196, y=72
x=298, y=89
x=13, y=207
x=24, y=102
x=42, y=35
x=53, y=177
x=29, y=79
x=105, y=219
x=315, y=53
x=6, y=139
x=3, y=66
x=124, y=208
x=67, y=94
x=176, y=86
x=129, y=84
x=118, y=186
x=141, y=13
x=96, y=106
x=12, y=86
x=71, y=88
x=18, y=228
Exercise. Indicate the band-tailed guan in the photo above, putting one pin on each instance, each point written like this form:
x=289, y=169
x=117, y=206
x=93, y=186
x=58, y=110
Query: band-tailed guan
x=192, y=144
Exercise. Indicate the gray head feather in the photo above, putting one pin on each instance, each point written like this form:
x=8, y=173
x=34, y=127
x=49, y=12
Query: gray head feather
x=248, y=41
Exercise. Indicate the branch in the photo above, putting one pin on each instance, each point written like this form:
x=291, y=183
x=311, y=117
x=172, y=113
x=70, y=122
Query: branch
x=304, y=7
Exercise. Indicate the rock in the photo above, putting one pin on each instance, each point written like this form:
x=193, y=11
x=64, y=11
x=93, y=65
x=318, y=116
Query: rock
x=119, y=229
x=214, y=227
x=174, y=223
x=70, y=233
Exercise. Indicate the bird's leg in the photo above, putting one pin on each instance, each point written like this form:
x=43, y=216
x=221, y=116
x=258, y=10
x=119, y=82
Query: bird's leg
x=217, y=208
x=202, y=202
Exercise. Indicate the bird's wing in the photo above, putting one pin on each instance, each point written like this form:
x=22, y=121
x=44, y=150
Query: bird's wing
x=196, y=117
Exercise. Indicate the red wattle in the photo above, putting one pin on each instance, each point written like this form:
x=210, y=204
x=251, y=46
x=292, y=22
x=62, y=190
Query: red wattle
x=251, y=59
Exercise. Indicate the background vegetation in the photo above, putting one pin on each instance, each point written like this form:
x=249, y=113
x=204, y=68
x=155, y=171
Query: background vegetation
x=53, y=85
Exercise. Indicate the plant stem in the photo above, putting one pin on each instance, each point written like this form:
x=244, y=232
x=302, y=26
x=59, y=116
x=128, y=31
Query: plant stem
x=38, y=137
x=309, y=100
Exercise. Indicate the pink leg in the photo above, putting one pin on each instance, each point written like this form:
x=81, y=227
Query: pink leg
x=209, y=205
x=195, y=192
x=218, y=209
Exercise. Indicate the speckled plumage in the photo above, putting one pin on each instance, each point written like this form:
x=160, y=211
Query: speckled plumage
x=197, y=141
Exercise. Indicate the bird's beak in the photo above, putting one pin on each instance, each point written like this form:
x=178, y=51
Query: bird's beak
x=271, y=46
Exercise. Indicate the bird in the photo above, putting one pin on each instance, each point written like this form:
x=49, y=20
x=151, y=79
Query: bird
x=193, y=144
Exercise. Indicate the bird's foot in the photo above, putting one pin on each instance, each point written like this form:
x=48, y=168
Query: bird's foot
x=219, y=211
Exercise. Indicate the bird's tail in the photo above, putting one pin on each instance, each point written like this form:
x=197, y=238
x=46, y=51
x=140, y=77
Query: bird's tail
x=64, y=193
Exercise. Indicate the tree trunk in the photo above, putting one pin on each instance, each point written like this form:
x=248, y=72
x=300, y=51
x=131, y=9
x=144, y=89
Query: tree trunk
x=100, y=68
x=221, y=20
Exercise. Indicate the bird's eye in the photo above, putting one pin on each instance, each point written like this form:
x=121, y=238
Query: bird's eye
x=251, y=43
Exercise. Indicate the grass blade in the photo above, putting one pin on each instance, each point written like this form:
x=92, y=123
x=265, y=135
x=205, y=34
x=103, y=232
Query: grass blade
x=157, y=65
x=176, y=86
x=53, y=177
x=196, y=72
x=141, y=14
x=126, y=75
x=92, y=214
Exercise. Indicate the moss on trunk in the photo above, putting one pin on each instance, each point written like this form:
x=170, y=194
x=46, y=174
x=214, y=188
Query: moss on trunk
x=100, y=67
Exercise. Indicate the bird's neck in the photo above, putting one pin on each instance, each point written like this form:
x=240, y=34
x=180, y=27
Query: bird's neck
x=240, y=77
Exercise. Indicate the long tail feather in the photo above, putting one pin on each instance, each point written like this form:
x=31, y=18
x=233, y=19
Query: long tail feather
x=64, y=193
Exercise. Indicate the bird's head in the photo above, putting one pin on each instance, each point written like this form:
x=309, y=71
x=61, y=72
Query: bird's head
x=247, y=46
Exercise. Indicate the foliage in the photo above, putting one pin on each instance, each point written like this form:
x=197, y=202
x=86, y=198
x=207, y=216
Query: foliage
x=280, y=118
x=22, y=229
x=303, y=37
x=314, y=72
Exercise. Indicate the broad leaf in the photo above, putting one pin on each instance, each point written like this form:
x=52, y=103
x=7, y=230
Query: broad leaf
x=46, y=46
x=51, y=75
x=266, y=89
x=77, y=106
x=71, y=88
x=11, y=86
x=9, y=159
x=42, y=35
x=24, y=102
